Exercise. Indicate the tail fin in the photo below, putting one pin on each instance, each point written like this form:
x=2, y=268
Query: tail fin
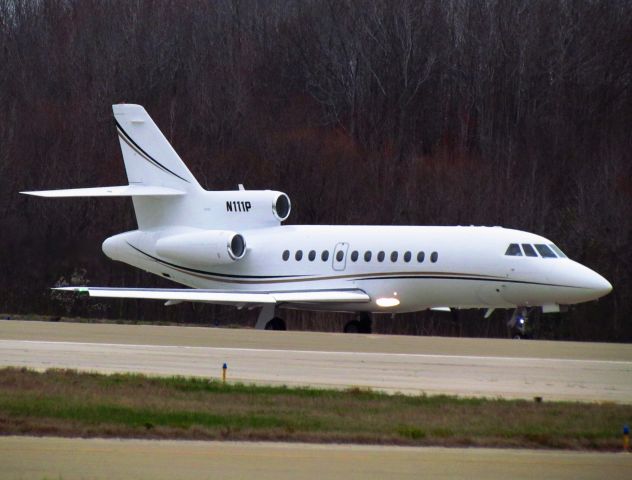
x=149, y=158
x=151, y=161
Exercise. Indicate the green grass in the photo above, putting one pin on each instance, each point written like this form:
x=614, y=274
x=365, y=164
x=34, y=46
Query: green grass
x=68, y=403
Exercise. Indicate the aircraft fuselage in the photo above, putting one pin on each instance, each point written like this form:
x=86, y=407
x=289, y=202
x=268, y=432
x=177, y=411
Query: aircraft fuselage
x=412, y=267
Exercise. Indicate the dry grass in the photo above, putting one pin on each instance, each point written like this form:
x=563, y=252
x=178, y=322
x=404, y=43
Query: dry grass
x=67, y=403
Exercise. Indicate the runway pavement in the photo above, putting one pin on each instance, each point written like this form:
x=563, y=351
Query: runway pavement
x=468, y=367
x=36, y=458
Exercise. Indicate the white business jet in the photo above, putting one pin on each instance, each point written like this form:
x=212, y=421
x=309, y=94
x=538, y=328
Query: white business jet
x=230, y=248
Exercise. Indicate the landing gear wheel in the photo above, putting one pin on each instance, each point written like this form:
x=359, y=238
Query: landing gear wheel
x=364, y=324
x=353, y=327
x=276, y=324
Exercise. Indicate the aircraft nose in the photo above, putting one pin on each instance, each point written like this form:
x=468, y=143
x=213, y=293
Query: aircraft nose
x=597, y=284
x=581, y=283
x=602, y=286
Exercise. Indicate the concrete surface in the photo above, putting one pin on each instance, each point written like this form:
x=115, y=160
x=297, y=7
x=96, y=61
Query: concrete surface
x=36, y=458
x=469, y=367
x=581, y=371
x=248, y=338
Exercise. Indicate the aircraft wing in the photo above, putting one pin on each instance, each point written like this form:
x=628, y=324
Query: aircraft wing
x=223, y=297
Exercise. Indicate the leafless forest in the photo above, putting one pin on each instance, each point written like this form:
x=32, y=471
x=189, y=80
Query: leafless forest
x=514, y=113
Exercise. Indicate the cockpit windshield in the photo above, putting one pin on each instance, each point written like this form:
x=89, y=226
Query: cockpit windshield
x=540, y=250
x=544, y=251
x=529, y=251
x=556, y=249
x=513, y=250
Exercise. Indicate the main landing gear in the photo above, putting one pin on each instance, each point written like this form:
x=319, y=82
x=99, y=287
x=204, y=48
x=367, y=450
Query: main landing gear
x=267, y=319
x=277, y=323
x=362, y=324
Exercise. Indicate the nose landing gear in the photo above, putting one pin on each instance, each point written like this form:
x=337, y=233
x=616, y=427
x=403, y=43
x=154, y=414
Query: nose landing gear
x=518, y=323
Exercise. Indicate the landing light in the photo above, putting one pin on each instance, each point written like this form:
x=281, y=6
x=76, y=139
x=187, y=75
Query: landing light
x=387, y=302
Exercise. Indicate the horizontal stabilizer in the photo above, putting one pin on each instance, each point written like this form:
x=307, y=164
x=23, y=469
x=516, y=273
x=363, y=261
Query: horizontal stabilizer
x=225, y=297
x=121, y=191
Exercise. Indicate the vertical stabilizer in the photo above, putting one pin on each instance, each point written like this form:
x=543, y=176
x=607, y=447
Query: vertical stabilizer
x=149, y=157
x=151, y=161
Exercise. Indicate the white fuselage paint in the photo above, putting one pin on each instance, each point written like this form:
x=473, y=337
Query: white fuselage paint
x=471, y=269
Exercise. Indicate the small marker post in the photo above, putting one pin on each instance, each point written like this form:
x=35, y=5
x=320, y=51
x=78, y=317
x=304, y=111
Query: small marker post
x=626, y=438
x=224, y=368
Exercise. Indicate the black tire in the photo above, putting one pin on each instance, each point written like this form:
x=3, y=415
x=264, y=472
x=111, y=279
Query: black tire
x=366, y=323
x=353, y=327
x=276, y=324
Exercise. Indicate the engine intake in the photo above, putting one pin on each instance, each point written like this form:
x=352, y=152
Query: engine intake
x=281, y=207
x=237, y=247
x=203, y=248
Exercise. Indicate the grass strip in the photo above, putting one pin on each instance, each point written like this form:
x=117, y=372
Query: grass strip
x=69, y=403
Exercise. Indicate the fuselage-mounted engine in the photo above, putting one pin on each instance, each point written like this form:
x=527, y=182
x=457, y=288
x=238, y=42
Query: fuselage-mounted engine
x=209, y=235
x=204, y=247
x=249, y=208
x=281, y=207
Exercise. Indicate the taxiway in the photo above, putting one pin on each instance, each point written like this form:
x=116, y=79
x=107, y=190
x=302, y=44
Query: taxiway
x=466, y=367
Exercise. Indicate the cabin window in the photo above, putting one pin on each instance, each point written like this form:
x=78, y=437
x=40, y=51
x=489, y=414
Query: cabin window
x=559, y=252
x=434, y=256
x=528, y=250
x=393, y=257
x=513, y=250
x=325, y=255
x=286, y=255
x=312, y=255
x=354, y=256
x=407, y=256
x=298, y=255
x=340, y=255
x=545, y=252
x=420, y=257
x=367, y=256
x=380, y=256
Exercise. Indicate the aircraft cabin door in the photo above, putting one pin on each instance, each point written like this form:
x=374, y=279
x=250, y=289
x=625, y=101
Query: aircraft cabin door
x=340, y=256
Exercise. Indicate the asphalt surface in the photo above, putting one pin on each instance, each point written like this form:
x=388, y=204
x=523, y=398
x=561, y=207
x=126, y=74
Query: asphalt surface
x=36, y=458
x=494, y=368
x=466, y=367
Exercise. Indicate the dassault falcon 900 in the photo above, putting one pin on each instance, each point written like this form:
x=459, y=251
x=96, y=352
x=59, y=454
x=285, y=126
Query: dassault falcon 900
x=230, y=248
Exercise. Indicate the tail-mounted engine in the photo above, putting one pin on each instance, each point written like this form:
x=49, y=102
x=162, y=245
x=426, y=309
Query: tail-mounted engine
x=281, y=206
x=204, y=248
x=249, y=208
